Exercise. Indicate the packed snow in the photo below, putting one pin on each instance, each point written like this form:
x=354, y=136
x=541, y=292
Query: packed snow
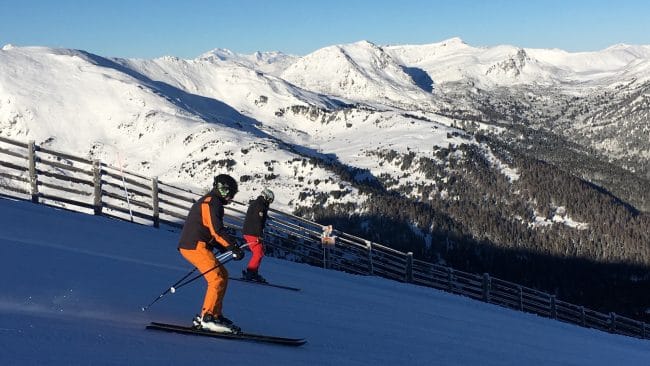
x=73, y=285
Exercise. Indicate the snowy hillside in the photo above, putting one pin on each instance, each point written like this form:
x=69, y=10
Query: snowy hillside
x=361, y=72
x=256, y=114
x=183, y=119
x=453, y=60
x=73, y=296
x=267, y=62
x=100, y=109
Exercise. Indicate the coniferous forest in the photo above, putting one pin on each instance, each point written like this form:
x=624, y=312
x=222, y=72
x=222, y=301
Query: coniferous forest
x=547, y=229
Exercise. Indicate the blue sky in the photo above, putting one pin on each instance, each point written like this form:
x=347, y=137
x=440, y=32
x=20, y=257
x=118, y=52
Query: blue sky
x=188, y=28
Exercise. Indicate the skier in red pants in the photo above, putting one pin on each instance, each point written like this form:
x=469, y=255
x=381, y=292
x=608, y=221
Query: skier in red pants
x=253, y=230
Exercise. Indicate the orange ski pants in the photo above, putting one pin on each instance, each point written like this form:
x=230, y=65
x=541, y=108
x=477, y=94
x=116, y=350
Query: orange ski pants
x=203, y=259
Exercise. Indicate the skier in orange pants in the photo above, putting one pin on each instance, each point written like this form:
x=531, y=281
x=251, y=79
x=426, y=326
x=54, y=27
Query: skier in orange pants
x=204, y=231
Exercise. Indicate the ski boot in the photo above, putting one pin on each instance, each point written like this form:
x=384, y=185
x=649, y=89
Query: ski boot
x=254, y=276
x=219, y=324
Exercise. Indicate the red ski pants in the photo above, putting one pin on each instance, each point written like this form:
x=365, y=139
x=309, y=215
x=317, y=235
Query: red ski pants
x=203, y=259
x=257, y=248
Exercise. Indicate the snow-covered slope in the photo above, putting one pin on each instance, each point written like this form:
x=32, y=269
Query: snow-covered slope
x=453, y=60
x=183, y=120
x=100, y=108
x=268, y=62
x=260, y=115
x=360, y=71
x=67, y=300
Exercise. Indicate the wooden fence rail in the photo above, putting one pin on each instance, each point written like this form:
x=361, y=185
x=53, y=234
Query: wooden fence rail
x=50, y=177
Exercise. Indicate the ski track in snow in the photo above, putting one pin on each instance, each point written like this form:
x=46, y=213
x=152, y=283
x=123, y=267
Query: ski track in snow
x=93, y=253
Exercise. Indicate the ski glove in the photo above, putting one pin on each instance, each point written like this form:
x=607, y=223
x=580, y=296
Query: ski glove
x=237, y=253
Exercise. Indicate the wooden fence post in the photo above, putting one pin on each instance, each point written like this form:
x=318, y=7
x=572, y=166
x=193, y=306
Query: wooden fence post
x=487, y=285
x=371, y=269
x=450, y=279
x=97, y=185
x=409, y=267
x=612, y=322
x=154, y=196
x=553, y=307
x=325, y=256
x=521, y=297
x=583, y=317
x=33, y=179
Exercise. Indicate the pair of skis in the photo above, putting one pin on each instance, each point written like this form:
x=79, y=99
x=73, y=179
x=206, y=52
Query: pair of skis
x=233, y=336
x=260, y=338
x=265, y=284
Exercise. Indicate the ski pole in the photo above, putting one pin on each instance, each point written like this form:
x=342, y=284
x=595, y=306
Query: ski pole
x=180, y=282
x=170, y=289
x=221, y=263
x=126, y=193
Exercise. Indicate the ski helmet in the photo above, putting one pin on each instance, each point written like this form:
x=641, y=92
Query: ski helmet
x=268, y=195
x=225, y=186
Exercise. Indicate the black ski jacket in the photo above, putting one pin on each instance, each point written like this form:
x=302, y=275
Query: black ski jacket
x=256, y=217
x=205, y=223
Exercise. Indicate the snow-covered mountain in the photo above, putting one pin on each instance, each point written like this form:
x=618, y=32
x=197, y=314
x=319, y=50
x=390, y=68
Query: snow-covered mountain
x=338, y=101
x=453, y=60
x=254, y=114
x=183, y=119
x=268, y=62
x=361, y=72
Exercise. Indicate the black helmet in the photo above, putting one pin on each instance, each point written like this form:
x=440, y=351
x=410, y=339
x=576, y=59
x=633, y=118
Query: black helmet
x=225, y=186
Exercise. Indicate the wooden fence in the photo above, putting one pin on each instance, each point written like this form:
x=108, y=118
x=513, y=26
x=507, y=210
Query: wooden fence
x=45, y=176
